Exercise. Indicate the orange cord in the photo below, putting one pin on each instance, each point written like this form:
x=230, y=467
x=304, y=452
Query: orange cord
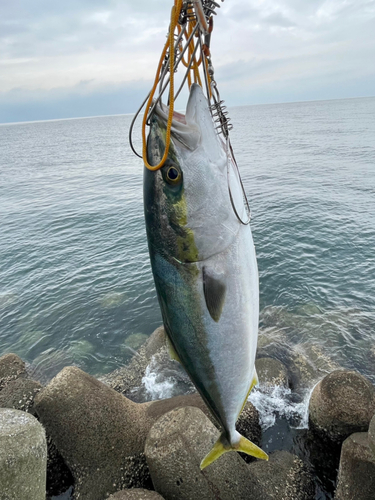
x=175, y=12
x=194, y=71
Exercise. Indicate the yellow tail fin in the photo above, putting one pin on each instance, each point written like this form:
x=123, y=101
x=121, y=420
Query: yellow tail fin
x=223, y=446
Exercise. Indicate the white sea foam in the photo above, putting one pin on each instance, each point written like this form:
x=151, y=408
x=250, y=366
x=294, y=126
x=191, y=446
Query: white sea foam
x=167, y=379
x=276, y=401
x=157, y=387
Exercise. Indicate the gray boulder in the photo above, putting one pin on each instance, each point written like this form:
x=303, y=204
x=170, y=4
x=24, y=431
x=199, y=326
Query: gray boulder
x=11, y=367
x=19, y=394
x=301, y=371
x=371, y=435
x=99, y=433
x=135, y=494
x=247, y=423
x=23, y=456
x=271, y=372
x=340, y=404
x=356, y=478
x=175, y=446
x=284, y=477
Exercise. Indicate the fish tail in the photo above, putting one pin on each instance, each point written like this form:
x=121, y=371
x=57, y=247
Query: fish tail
x=222, y=446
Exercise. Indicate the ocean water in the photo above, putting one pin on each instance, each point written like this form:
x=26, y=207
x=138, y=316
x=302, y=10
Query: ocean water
x=75, y=279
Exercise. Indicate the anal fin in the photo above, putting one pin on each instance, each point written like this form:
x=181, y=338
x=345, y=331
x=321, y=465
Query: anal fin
x=172, y=352
x=254, y=382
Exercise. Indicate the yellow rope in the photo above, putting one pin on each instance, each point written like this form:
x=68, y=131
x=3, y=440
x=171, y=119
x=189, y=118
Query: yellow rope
x=175, y=12
x=193, y=72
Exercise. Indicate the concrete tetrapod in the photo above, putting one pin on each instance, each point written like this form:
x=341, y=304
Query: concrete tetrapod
x=175, y=446
x=371, y=435
x=342, y=403
x=356, y=478
x=135, y=494
x=23, y=456
x=101, y=434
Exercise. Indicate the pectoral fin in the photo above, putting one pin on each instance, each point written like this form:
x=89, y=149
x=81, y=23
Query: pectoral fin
x=214, y=292
x=223, y=446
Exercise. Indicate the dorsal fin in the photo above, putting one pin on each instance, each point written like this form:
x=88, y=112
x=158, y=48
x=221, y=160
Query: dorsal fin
x=214, y=293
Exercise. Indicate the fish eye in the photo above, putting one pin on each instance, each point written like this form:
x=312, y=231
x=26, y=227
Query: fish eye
x=173, y=176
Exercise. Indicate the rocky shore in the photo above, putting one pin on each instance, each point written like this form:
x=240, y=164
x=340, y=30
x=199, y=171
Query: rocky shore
x=106, y=439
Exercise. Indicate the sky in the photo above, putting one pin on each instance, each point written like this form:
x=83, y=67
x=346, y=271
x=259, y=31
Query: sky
x=98, y=57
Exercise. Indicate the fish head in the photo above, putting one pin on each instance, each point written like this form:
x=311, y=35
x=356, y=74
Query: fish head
x=188, y=208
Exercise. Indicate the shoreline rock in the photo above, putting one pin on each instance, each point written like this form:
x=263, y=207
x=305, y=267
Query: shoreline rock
x=23, y=456
x=340, y=404
x=356, y=477
x=175, y=446
x=11, y=368
x=101, y=434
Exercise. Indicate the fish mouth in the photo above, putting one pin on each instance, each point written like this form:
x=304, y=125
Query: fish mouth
x=185, y=127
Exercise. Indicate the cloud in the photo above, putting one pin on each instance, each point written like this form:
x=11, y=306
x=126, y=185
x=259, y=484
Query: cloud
x=85, y=99
x=50, y=48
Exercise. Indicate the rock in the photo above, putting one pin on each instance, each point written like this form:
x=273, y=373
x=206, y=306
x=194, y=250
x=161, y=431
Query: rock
x=99, y=433
x=33, y=342
x=247, y=423
x=319, y=358
x=356, y=478
x=75, y=405
x=271, y=372
x=175, y=446
x=301, y=372
x=11, y=367
x=23, y=456
x=136, y=340
x=19, y=394
x=59, y=477
x=371, y=435
x=112, y=299
x=340, y=404
x=48, y=364
x=135, y=494
x=151, y=374
x=125, y=379
x=284, y=477
x=308, y=309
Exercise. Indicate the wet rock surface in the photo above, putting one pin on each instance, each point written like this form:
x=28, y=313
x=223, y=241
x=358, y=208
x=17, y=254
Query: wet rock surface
x=271, y=372
x=340, y=404
x=11, y=368
x=356, y=478
x=151, y=373
x=135, y=494
x=284, y=477
x=19, y=394
x=301, y=372
x=23, y=456
x=59, y=477
x=175, y=446
x=371, y=435
x=125, y=379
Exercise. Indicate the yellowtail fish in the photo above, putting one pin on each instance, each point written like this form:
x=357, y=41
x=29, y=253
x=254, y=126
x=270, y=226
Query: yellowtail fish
x=204, y=264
